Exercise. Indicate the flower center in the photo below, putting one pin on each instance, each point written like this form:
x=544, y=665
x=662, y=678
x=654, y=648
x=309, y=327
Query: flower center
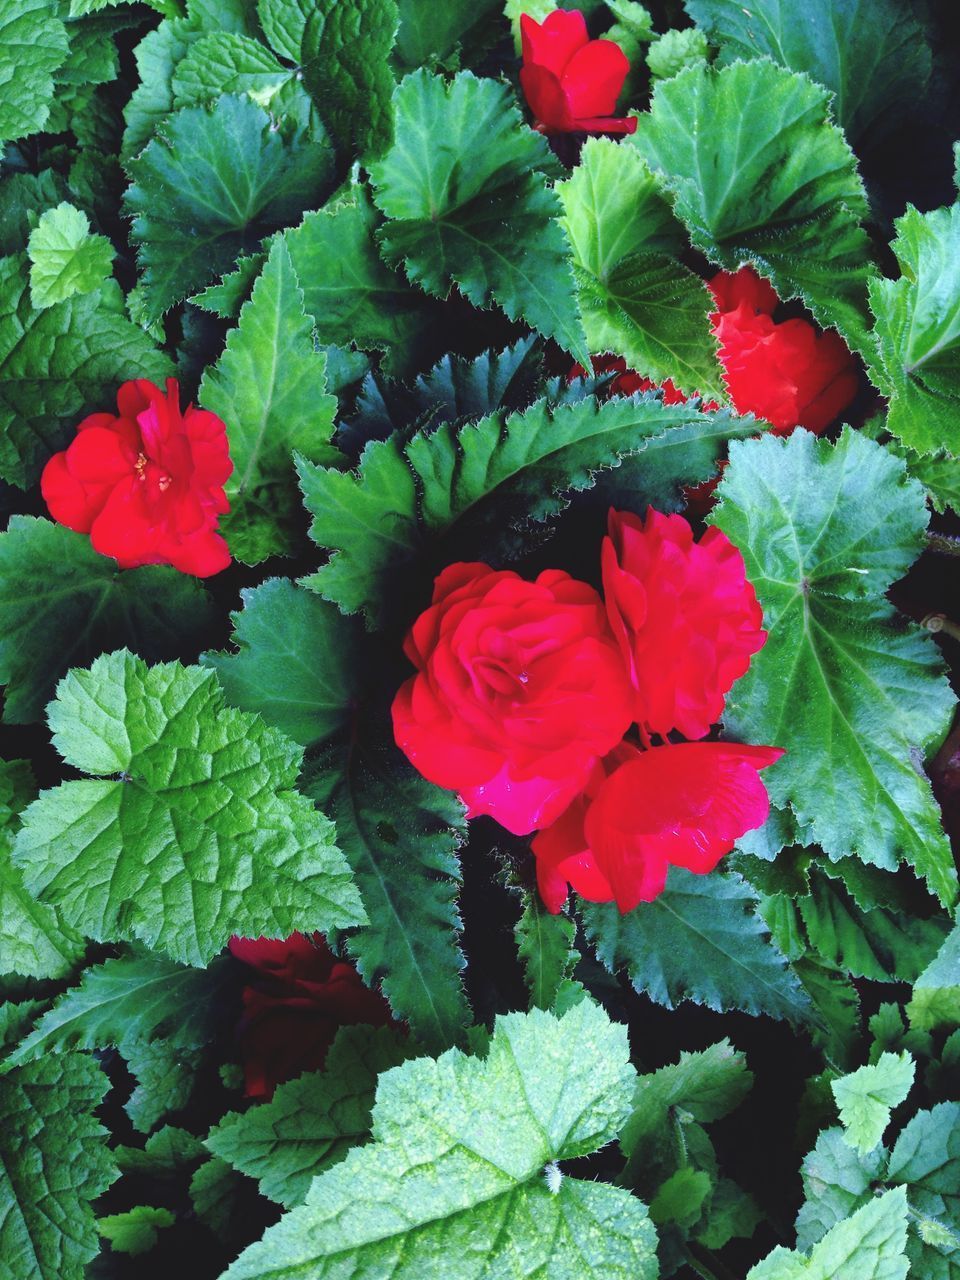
x=140, y=465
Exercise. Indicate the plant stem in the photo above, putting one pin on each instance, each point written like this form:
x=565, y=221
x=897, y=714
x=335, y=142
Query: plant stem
x=946, y=543
x=705, y=1263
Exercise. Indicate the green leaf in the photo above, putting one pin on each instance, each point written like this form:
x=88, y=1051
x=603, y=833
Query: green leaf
x=855, y=696
x=926, y=1159
x=936, y=993
x=680, y=1200
x=868, y=1246
x=61, y=604
x=699, y=940
x=135, y=1230
x=214, y=1190
x=759, y=174
x=33, y=942
x=296, y=661
x=199, y=838
x=637, y=300
x=837, y=1180
x=312, y=1122
x=53, y=1163
x=352, y=294
x=210, y=186
x=165, y=1073
x=65, y=258
x=33, y=44
x=431, y=31
x=482, y=481
x=58, y=364
x=467, y=1140
x=476, y=212
x=157, y=55
x=835, y=1023
x=269, y=387
x=163, y=1155
x=400, y=835
x=917, y=334
x=867, y=1097
x=23, y=197
x=345, y=52
x=545, y=944
x=283, y=23
x=131, y=998
x=872, y=54
x=226, y=298
x=224, y=62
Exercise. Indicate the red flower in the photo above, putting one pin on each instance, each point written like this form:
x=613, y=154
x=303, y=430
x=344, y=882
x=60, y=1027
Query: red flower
x=147, y=485
x=571, y=82
x=301, y=996
x=787, y=373
x=680, y=805
x=520, y=689
x=685, y=617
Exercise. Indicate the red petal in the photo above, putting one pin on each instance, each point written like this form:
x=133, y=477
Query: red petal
x=68, y=501
x=546, y=100
x=593, y=79
x=552, y=43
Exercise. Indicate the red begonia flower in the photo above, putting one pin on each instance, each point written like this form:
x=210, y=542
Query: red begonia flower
x=681, y=805
x=786, y=373
x=520, y=689
x=571, y=82
x=147, y=484
x=295, y=1005
x=685, y=617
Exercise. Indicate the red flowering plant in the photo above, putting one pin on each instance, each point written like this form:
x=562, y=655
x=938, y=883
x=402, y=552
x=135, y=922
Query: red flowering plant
x=476, y=618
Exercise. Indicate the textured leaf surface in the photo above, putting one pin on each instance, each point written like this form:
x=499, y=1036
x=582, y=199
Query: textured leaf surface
x=867, y=1097
x=269, y=387
x=699, y=940
x=312, y=1122
x=870, y=1245
x=53, y=1163
x=61, y=604
x=637, y=300
x=135, y=1230
x=936, y=992
x=872, y=54
x=33, y=44
x=546, y=950
x=468, y=1139
x=855, y=696
x=225, y=62
x=58, y=364
x=201, y=836
x=476, y=211
x=429, y=30
x=917, y=332
x=65, y=258
x=758, y=173
x=210, y=186
x=483, y=480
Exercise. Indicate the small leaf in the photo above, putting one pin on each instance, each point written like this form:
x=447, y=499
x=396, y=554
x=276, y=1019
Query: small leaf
x=867, y=1097
x=135, y=1230
x=65, y=257
x=545, y=946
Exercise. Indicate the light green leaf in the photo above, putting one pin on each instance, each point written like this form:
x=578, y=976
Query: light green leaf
x=546, y=950
x=210, y=186
x=33, y=942
x=135, y=1230
x=637, y=300
x=868, y=1246
x=58, y=364
x=480, y=482
x=283, y=23
x=33, y=44
x=201, y=837
x=345, y=51
x=53, y=1163
x=269, y=387
x=296, y=663
x=224, y=62
x=854, y=696
x=837, y=1180
x=61, y=604
x=65, y=258
x=936, y=993
x=699, y=940
x=681, y=1198
x=759, y=173
x=468, y=1140
x=917, y=358
x=353, y=296
x=867, y=1097
x=872, y=54
x=476, y=212
x=926, y=1159
x=312, y=1122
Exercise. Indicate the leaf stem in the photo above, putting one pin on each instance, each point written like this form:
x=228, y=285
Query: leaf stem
x=947, y=544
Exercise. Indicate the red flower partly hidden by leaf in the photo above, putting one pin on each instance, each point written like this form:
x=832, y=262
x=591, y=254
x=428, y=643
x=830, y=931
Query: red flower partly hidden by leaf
x=520, y=689
x=299, y=998
x=680, y=805
x=786, y=373
x=628, y=382
x=146, y=484
x=685, y=617
x=571, y=82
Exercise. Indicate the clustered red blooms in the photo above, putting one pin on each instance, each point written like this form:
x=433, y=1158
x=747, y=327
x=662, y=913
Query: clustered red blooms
x=146, y=484
x=571, y=82
x=299, y=998
x=524, y=692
